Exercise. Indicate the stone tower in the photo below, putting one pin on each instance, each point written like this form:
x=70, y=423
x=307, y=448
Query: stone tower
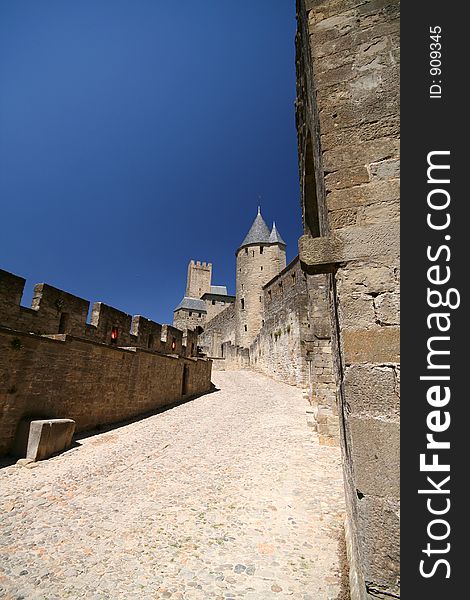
x=261, y=256
x=199, y=279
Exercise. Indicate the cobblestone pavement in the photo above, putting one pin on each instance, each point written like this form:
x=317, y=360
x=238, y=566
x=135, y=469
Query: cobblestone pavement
x=226, y=496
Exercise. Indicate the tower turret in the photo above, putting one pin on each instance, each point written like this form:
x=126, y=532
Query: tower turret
x=260, y=257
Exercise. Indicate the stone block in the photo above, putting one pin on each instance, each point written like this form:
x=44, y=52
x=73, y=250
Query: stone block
x=376, y=456
x=355, y=155
x=352, y=243
x=379, y=523
x=379, y=213
x=346, y=178
x=378, y=345
x=40, y=439
x=364, y=195
x=387, y=308
x=372, y=391
x=369, y=279
x=357, y=310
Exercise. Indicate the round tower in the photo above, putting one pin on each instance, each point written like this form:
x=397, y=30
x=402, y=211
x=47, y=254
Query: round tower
x=261, y=256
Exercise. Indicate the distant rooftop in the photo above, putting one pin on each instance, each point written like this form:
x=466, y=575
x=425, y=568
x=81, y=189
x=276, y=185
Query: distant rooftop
x=221, y=290
x=275, y=237
x=188, y=303
x=259, y=233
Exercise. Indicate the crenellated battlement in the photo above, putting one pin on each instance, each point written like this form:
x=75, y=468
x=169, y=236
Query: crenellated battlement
x=54, y=311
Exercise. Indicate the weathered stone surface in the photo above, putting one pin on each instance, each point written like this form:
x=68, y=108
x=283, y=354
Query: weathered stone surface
x=385, y=169
x=379, y=213
x=369, y=278
x=372, y=391
x=40, y=439
x=387, y=308
x=91, y=383
x=356, y=310
x=354, y=243
x=348, y=102
x=345, y=178
x=379, y=522
x=376, y=455
x=378, y=345
x=363, y=195
x=358, y=154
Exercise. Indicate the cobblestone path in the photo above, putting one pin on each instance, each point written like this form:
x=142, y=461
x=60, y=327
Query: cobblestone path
x=226, y=496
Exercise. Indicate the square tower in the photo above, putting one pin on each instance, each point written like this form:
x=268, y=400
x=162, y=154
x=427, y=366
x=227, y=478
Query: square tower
x=199, y=279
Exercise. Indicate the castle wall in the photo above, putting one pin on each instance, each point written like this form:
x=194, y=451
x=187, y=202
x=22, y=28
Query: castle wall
x=256, y=265
x=217, y=331
x=92, y=383
x=54, y=311
x=185, y=319
x=279, y=348
x=216, y=308
x=348, y=134
x=54, y=364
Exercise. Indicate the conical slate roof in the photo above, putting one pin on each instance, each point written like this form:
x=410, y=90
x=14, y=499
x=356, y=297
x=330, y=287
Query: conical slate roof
x=275, y=237
x=259, y=232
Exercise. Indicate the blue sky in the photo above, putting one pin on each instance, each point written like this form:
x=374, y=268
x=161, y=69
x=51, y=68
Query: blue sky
x=138, y=134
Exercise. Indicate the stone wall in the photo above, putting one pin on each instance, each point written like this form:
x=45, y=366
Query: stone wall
x=348, y=133
x=55, y=311
x=279, y=348
x=215, y=305
x=188, y=319
x=56, y=365
x=217, y=331
x=67, y=377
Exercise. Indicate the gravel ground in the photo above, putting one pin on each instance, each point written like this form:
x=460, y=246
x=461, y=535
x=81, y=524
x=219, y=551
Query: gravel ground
x=225, y=496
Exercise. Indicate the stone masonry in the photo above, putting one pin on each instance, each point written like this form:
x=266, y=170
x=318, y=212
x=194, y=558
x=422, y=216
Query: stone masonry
x=56, y=365
x=348, y=138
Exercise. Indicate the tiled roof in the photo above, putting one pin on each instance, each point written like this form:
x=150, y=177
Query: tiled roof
x=275, y=237
x=219, y=289
x=259, y=232
x=192, y=304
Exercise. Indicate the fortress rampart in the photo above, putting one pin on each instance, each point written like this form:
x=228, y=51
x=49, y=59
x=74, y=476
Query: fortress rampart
x=55, y=364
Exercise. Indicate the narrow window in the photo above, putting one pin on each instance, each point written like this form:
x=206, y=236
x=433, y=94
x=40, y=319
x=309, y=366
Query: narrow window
x=222, y=350
x=246, y=328
x=246, y=250
x=253, y=252
x=192, y=349
x=213, y=302
x=280, y=286
x=310, y=200
x=64, y=321
x=184, y=385
x=293, y=278
x=190, y=314
x=199, y=314
x=261, y=267
x=261, y=250
x=150, y=341
x=114, y=335
x=242, y=301
x=260, y=298
x=269, y=294
x=263, y=325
